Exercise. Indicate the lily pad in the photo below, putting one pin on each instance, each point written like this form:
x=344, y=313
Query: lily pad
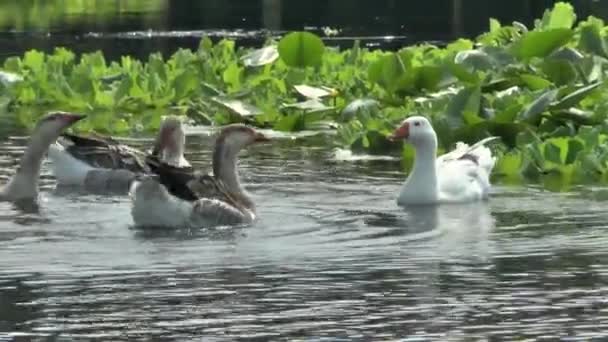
x=260, y=57
x=301, y=49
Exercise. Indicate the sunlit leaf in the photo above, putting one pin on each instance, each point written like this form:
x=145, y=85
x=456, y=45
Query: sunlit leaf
x=260, y=57
x=541, y=43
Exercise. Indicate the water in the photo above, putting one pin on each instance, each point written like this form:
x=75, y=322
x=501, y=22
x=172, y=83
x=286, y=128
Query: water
x=331, y=257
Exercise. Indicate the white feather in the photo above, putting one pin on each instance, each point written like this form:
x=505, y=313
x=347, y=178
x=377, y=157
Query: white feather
x=67, y=169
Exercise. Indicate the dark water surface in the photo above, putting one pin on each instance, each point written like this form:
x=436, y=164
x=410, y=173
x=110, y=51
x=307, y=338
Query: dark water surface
x=332, y=258
x=140, y=27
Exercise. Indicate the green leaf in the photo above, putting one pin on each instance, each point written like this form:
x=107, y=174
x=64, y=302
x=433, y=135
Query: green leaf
x=535, y=109
x=387, y=71
x=559, y=72
x=474, y=59
x=467, y=100
x=541, y=43
x=574, y=148
x=34, y=60
x=428, y=77
x=232, y=77
x=575, y=97
x=301, y=49
x=185, y=84
x=561, y=16
x=553, y=152
x=591, y=38
x=535, y=82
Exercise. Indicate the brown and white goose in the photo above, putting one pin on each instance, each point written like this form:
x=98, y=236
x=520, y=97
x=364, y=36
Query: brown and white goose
x=102, y=164
x=180, y=197
x=23, y=186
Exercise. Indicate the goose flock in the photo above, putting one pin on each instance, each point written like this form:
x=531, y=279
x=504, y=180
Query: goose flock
x=166, y=191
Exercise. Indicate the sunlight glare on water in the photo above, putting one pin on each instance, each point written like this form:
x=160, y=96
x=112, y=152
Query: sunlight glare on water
x=331, y=256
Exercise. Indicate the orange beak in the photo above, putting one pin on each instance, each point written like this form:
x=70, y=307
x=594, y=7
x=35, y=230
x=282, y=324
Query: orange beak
x=403, y=132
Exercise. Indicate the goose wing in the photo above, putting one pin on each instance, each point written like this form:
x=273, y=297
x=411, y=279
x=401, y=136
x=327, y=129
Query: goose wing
x=105, y=152
x=190, y=185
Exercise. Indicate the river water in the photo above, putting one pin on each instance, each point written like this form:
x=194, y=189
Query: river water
x=332, y=258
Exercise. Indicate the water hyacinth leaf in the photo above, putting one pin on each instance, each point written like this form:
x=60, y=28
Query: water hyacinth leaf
x=541, y=43
x=575, y=147
x=575, y=115
x=510, y=164
x=553, y=152
x=591, y=38
x=535, y=109
x=309, y=105
x=301, y=49
x=34, y=60
x=467, y=100
x=185, y=83
x=387, y=71
x=237, y=106
x=314, y=92
x=534, y=82
x=560, y=16
x=427, y=77
x=260, y=57
x=358, y=105
x=463, y=74
x=559, y=72
x=474, y=59
x=567, y=53
x=575, y=97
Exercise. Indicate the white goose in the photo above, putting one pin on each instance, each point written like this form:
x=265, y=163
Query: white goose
x=459, y=176
x=102, y=164
x=23, y=186
x=180, y=197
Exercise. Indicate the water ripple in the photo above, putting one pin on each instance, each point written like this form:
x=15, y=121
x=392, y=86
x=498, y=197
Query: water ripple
x=331, y=259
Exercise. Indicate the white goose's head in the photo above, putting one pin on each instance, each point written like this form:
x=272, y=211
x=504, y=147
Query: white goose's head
x=50, y=126
x=416, y=130
x=171, y=140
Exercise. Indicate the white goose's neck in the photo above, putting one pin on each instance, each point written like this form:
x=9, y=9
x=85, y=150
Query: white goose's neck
x=421, y=185
x=225, y=169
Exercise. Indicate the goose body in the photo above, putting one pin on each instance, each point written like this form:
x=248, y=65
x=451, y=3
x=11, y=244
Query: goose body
x=460, y=176
x=178, y=197
x=101, y=164
x=23, y=185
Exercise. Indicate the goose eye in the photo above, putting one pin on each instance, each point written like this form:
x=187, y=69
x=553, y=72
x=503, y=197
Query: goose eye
x=416, y=123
